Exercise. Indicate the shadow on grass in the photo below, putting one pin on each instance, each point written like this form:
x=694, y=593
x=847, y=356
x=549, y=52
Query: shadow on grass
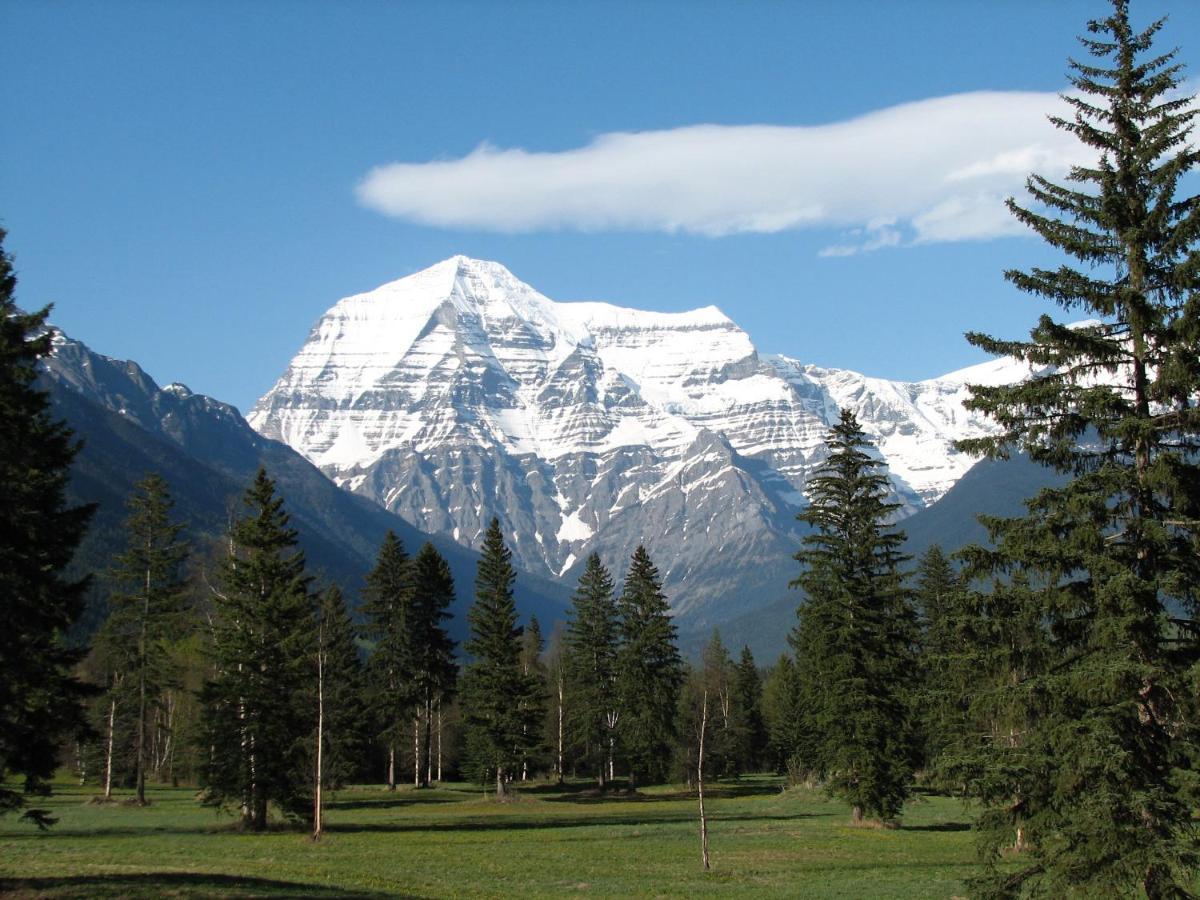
x=939, y=826
x=589, y=793
x=393, y=801
x=549, y=823
x=179, y=884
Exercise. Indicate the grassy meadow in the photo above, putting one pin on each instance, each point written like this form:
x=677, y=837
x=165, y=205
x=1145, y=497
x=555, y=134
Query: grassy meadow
x=452, y=841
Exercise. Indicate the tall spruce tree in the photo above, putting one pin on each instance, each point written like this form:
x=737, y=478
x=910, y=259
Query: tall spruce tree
x=147, y=609
x=388, y=610
x=649, y=672
x=40, y=699
x=533, y=707
x=945, y=685
x=257, y=717
x=788, y=741
x=856, y=630
x=593, y=639
x=716, y=683
x=494, y=687
x=1112, y=556
x=432, y=650
x=340, y=701
x=749, y=731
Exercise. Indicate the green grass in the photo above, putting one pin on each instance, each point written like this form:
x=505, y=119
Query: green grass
x=451, y=842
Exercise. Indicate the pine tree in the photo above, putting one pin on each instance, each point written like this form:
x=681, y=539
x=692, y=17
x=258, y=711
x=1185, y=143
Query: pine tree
x=941, y=602
x=257, y=717
x=340, y=701
x=388, y=610
x=784, y=719
x=593, y=637
x=40, y=699
x=716, y=674
x=1113, y=554
x=533, y=706
x=749, y=731
x=433, y=651
x=494, y=688
x=649, y=672
x=856, y=631
x=147, y=610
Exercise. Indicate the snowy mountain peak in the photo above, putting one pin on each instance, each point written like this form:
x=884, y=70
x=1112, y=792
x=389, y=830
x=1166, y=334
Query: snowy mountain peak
x=460, y=392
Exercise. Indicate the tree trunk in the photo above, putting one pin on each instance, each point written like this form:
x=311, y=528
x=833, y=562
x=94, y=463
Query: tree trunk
x=856, y=814
x=499, y=782
x=439, y=739
x=108, y=755
x=141, y=727
x=700, y=784
x=317, y=823
x=391, y=767
x=427, y=750
x=417, y=749
x=560, y=726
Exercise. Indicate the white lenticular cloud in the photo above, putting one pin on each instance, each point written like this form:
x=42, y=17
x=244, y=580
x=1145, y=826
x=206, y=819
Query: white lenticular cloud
x=934, y=170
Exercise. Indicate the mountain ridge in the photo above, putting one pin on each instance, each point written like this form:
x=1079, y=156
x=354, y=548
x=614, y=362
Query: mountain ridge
x=460, y=392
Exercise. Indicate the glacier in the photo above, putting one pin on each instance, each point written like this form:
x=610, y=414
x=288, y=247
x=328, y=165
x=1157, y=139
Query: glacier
x=460, y=392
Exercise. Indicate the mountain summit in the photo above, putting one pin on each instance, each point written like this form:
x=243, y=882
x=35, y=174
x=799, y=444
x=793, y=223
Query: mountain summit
x=460, y=392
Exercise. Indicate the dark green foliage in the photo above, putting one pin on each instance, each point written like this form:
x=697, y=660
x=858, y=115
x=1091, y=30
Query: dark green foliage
x=716, y=680
x=533, y=706
x=649, y=672
x=749, y=749
x=495, y=690
x=147, y=609
x=1112, y=556
x=40, y=699
x=854, y=641
x=783, y=717
x=343, y=688
x=946, y=684
x=433, y=665
x=258, y=716
x=388, y=610
x=591, y=670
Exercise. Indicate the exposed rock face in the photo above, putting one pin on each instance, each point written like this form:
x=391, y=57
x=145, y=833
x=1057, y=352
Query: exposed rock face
x=460, y=393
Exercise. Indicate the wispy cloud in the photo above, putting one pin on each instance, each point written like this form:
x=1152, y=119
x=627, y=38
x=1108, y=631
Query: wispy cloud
x=934, y=170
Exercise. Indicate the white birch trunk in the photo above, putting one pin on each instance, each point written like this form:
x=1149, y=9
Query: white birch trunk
x=320, y=775
x=439, y=739
x=560, y=725
x=108, y=754
x=700, y=784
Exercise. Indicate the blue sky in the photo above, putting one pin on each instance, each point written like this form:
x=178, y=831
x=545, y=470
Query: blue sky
x=193, y=184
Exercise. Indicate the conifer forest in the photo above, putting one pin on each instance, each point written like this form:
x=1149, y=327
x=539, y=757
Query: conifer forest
x=209, y=711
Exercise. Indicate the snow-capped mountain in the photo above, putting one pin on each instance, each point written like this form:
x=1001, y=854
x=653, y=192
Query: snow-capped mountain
x=459, y=393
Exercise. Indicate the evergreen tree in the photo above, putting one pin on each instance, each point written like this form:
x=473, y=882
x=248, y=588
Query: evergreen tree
x=593, y=637
x=945, y=685
x=433, y=651
x=749, y=731
x=344, y=689
x=340, y=703
x=856, y=631
x=649, y=672
x=533, y=707
x=388, y=610
x=716, y=683
x=147, y=611
x=784, y=719
x=1113, y=554
x=40, y=699
x=495, y=689
x=257, y=718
